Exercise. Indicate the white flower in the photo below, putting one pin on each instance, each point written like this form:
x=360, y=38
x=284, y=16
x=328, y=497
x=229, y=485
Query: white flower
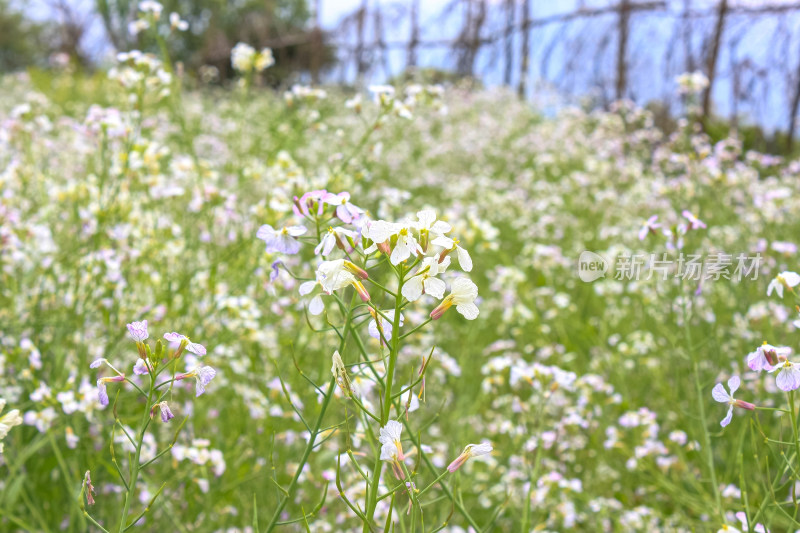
x=176, y=23
x=338, y=274
x=380, y=230
x=389, y=452
x=405, y=247
x=462, y=294
x=464, y=259
x=427, y=223
x=390, y=435
x=333, y=237
x=315, y=306
x=150, y=6
x=784, y=279
x=8, y=421
x=425, y=280
x=242, y=56
x=264, y=60
x=137, y=26
x=471, y=450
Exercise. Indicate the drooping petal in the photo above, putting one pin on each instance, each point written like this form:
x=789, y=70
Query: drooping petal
x=464, y=260
x=727, y=420
x=316, y=306
x=468, y=310
x=720, y=394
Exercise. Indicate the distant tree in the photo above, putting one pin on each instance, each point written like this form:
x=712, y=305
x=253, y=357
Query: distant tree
x=215, y=27
x=23, y=42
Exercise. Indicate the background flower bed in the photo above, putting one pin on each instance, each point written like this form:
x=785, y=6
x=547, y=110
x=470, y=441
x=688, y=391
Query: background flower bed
x=585, y=390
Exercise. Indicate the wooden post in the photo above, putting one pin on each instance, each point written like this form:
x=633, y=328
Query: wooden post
x=413, y=40
x=622, y=45
x=524, y=48
x=509, y=63
x=711, y=67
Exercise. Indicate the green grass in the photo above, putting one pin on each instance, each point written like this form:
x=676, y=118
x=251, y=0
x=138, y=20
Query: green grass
x=585, y=390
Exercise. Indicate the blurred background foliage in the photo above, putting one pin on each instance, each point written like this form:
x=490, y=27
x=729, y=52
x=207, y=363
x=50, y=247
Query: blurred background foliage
x=587, y=53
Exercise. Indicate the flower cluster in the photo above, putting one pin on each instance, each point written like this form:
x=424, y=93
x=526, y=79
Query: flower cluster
x=246, y=59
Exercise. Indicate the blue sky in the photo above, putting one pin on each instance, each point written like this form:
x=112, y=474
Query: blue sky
x=652, y=72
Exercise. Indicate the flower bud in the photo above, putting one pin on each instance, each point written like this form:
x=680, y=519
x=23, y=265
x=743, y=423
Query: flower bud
x=356, y=270
x=744, y=405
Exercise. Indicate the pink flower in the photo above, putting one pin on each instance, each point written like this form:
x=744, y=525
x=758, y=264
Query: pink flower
x=302, y=205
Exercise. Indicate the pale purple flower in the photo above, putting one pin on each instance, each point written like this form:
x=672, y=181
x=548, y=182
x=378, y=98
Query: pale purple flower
x=719, y=394
x=202, y=375
x=788, y=377
x=694, y=222
x=138, y=331
x=649, y=227
x=344, y=209
x=166, y=413
x=276, y=270
x=766, y=356
x=783, y=247
x=141, y=367
x=102, y=393
x=281, y=240
x=195, y=348
x=378, y=324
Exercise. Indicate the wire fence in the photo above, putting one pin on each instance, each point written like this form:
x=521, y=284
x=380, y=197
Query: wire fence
x=625, y=49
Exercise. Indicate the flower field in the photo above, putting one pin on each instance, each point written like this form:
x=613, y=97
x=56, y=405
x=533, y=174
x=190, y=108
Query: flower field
x=332, y=310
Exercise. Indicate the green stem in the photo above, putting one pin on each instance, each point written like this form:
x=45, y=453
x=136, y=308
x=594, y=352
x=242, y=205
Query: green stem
x=134, y=466
x=313, y=435
x=372, y=495
x=702, y=407
x=793, y=414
